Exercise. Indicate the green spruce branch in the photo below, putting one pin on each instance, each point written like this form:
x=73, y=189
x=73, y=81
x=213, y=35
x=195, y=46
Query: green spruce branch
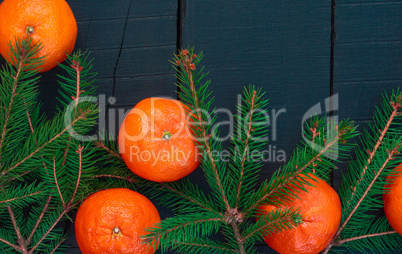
x=46, y=169
x=233, y=204
x=363, y=183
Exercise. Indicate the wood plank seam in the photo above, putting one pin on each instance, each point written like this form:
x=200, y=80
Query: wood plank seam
x=118, y=56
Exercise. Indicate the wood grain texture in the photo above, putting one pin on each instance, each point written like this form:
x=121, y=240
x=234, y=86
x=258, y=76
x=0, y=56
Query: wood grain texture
x=281, y=46
x=141, y=32
x=112, y=10
x=368, y=54
x=364, y=2
x=357, y=100
x=363, y=23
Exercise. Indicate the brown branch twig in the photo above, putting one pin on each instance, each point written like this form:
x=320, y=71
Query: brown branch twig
x=20, y=239
x=315, y=134
x=83, y=114
x=23, y=244
x=240, y=240
x=79, y=151
x=29, y=118
x=57, y=184
x=66, y=210
x=234, y=218
x=103, y=146
x=26, y=172
x=66, y=152
x=9, y=244
x=76, y=65
x=335, y=238
x=246, y=147
x=340, y=242
x=67, y=207
x=13, y=178
x=29, y=239
x=189, y=68
x=13, y=199
x=57, y=246
x=299, y=170
x=396, y=107
x=13, y=94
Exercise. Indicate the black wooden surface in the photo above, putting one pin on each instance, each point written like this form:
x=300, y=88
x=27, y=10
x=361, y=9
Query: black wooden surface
x=283, y=46
x=367, y=56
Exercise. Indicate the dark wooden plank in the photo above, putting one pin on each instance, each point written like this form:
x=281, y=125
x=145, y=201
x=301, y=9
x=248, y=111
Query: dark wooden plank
x=358, y=62
x=106, y=10
x=146, y=61
x=141, y=32
x=132, y=90
x=134, y=62
x=368, y=54
x=368, y=22
x=282, y=46
x=363, y=2
x=357, y=100
x=151, y=32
